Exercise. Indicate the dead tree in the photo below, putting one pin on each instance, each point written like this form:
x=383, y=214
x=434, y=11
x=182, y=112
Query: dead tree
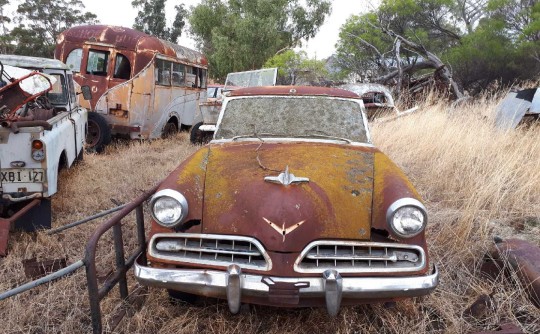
x=430, y=60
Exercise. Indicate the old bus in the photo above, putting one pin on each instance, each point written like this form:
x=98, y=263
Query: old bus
x=142, y=86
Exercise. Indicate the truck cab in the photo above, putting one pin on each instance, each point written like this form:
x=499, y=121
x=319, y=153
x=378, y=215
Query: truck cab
x=38, y=139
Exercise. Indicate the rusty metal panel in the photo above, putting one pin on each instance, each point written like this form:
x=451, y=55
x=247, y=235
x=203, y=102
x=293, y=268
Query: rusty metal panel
x=390, y=184
x=524, y=258
x=36, y=269
x=335, y=203
x=189, y=179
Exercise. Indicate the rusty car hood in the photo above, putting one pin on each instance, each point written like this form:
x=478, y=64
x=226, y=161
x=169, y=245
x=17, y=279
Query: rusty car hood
x=334, y=204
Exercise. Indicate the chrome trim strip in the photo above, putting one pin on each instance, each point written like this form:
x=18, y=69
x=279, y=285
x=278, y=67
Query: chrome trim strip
x=219, y=237
x=236, y=285
x=329, y=243
x=290, y=140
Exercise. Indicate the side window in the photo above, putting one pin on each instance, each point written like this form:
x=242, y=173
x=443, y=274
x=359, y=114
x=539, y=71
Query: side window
x=122, y=67
x=57, y=95
x=73, y=60
x=190, y=77
x=163, y=72
x=98, y=62
x=178, y=74
x=71, y=88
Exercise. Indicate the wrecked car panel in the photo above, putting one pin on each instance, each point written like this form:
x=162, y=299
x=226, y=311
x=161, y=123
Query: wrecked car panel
x=515, y=106
x=377, y=98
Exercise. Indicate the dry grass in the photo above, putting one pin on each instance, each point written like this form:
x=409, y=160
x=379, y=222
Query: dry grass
x=477, y=182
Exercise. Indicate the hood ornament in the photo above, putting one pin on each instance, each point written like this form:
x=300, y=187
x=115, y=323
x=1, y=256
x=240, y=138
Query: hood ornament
x=286, y=178
x=282, y=230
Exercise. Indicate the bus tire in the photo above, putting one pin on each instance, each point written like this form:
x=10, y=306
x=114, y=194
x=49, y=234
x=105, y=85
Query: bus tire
x=169, y=130
x=198, y=137
x=99, y=133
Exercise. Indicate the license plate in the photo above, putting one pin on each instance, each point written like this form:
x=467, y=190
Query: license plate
x=22, y=175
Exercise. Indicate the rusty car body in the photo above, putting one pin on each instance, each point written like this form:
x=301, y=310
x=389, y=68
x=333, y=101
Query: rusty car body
x=289, y=205
x=143, y=86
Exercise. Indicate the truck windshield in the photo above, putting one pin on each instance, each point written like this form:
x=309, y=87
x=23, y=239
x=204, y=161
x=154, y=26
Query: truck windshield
x=304, y=116
x=57, y=95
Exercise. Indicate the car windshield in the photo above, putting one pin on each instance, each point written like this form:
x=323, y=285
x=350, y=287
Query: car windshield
x=313, y=116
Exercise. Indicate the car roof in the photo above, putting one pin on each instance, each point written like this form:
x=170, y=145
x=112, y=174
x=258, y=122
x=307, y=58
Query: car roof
x=32, y=62
x=294, y=91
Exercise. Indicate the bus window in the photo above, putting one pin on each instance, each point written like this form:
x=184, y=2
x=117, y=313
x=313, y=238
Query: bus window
x=178, y=74
x=97, y=62
x=122, y=68
x=73, y=60
x=163, y=71
x=190, y=77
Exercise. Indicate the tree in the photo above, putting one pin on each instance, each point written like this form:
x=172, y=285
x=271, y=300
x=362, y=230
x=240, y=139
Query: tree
x=297, y=67
x=475, y=41
x=40, y=21
x=238, y=35
x=151, y=19
x=5, y=40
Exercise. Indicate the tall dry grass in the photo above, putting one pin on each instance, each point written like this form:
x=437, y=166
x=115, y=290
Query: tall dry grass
x=477, y=182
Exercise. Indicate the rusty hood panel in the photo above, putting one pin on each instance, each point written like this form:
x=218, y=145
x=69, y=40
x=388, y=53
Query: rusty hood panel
x=335, y=203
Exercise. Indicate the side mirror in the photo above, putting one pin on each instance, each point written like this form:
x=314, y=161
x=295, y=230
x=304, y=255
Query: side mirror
x=86, y=92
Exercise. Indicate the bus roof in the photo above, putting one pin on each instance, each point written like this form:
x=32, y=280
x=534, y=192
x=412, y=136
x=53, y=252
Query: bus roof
x=32, y=62
x=126, y=38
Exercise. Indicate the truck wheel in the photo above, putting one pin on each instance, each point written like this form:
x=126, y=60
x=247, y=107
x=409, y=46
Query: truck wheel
x=169, y=130
x=99, y=133
x=198, y=137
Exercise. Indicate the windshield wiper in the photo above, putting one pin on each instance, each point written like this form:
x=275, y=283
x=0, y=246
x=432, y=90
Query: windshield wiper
x=316, y=135
x=258, y=136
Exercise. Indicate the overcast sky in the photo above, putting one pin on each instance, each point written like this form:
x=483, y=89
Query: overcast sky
x=120, y=13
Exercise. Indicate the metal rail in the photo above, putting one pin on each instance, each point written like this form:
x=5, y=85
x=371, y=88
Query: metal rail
x=96, y=293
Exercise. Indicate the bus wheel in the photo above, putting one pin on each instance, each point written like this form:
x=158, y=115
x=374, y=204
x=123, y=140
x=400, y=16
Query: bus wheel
x=99, y=133
x=169, y=130
x=198, y=137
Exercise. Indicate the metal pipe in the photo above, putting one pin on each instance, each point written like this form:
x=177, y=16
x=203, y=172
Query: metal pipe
x=120, y=260
x=85, y=220
x=51, y=277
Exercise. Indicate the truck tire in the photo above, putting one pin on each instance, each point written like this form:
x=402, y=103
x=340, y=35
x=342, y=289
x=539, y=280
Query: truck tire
x=198, y=137
x=99, y=133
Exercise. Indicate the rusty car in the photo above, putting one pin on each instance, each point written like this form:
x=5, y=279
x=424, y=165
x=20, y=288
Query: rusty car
x=289, y=205
x=143, y=87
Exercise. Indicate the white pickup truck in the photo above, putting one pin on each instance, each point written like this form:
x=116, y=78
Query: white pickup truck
x=36, y=140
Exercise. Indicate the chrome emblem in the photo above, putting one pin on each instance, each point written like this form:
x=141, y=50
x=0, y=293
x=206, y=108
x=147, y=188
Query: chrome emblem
x=286, y=178
x=282, y=230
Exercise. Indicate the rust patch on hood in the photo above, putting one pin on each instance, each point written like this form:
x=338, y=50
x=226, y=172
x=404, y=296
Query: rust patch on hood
x=335, y=203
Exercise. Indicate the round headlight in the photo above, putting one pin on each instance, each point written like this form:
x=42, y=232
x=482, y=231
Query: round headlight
x=407, y=217
x=169, y=207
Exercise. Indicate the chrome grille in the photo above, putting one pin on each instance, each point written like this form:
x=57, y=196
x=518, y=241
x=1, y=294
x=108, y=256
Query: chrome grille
x=209, y=249
x=358, y=257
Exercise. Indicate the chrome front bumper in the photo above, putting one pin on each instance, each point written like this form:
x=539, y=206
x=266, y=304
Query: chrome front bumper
x=233, y=285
